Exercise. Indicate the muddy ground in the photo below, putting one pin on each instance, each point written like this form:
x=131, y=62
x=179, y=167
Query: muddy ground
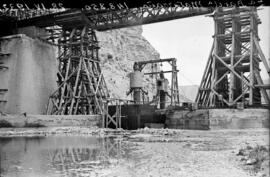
x=167, y=152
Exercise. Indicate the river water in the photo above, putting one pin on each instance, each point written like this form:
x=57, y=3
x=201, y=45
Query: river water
x=59, y=156
x=146, y=153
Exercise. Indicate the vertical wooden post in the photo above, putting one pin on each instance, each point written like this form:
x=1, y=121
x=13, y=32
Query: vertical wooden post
x=213, y=67
x=243, y=86
x=172, y=94
x=251, y=75
x=103, y=117
x=120, y=115
x=232, y=81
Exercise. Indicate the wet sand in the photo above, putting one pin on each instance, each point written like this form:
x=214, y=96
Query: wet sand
x=164, y=152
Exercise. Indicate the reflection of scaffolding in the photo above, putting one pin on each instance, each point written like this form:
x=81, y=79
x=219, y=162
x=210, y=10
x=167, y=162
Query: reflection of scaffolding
x=81, y=86
x=232, y=74
x=110, y=149
x=78, y=161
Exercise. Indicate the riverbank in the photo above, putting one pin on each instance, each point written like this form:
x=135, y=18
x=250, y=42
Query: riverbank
x=167, y=152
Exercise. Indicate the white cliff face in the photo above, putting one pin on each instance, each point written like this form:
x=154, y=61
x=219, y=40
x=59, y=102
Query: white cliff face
x=119, y=50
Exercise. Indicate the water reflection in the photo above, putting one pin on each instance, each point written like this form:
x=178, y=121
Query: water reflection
x=59, y=156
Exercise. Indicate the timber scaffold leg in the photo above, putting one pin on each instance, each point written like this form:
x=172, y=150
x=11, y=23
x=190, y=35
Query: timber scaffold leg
x=81, y=86
x=232, y=73
x=175, y=99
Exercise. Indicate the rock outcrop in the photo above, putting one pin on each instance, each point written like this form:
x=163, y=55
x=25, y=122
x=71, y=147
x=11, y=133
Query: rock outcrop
x=119, y=50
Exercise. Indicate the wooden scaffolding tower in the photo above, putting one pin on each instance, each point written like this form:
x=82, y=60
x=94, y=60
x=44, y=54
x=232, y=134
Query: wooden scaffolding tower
x=232, y=73
x=81, y=85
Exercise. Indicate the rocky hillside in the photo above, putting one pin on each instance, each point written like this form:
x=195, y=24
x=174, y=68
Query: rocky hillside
x=119, y=50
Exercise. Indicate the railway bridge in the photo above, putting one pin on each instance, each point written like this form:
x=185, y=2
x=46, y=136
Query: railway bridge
x=231, y=77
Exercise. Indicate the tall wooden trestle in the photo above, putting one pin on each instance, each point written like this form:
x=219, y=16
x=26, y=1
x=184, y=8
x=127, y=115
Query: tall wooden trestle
x=81, y=85
x=232, y=74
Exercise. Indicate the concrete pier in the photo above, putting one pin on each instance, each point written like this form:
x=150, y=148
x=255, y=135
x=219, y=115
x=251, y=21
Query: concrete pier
x=30, y=75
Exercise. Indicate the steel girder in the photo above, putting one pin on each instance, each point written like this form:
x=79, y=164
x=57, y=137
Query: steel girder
x=106, y=20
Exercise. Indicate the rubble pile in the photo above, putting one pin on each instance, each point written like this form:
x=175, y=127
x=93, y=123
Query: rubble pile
x=255, y=159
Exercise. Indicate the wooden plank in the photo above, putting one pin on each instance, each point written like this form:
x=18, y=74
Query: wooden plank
x=262, y=56
x=251, y=61
x=207, y=65
x=225, y=101
x=221, y=78
x=232, y=79
x=230, y=68
x=92, y=89
x=65, y=85
x=241, y=59
x=260, y=82
x=78, y=100
x=212, y=80
x=75, y=86
x=99, y=80
x=264, y=86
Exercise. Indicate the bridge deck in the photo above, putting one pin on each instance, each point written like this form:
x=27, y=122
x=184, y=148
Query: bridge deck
x=106, y=20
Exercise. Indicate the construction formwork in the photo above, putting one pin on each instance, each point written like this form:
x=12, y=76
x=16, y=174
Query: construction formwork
x=232, y=74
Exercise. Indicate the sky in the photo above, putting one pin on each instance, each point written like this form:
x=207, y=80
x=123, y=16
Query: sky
x=189, y=40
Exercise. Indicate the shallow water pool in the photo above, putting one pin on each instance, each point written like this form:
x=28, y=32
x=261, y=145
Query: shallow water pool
x=59, y=155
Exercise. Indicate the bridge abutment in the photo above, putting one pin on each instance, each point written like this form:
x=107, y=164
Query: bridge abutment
x=29, y=76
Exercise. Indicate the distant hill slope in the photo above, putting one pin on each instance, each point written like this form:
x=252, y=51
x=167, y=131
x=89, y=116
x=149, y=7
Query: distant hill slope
x=188, y=92
x=119, y=50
